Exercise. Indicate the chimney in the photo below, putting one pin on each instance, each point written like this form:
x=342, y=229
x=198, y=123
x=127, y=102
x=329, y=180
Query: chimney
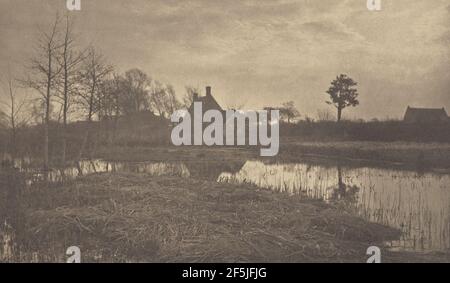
x=195, y=96
x=208, y=91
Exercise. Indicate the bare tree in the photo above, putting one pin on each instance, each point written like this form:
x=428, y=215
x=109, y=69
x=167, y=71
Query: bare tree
x=118, y=88
x=163, y=100
x=3, y=120
x=93, y=73
x=171, y=103
x=157, y=97
x=109, y=107
x=43, y=72
x=16, y=116
x=69, y=61
x=324, y=115
x=134, y=97
x=189, y=95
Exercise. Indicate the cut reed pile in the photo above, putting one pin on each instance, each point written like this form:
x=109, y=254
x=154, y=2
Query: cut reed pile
x=140, y=218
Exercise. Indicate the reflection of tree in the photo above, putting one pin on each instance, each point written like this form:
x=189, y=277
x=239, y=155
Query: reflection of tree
x=211, y=170
x=344, y=192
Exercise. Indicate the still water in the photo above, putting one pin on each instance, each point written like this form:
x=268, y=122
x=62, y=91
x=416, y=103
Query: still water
x=416, y=203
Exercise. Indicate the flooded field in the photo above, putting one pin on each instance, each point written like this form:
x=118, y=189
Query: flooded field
x=416, y=203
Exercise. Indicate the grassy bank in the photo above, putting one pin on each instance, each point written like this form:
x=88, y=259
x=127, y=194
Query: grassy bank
x=136, y=217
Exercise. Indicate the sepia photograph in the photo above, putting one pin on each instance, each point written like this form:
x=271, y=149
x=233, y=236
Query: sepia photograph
x=232, y=132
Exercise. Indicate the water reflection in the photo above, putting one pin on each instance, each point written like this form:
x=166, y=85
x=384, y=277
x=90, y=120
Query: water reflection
x=418, y=204
x=86, y=167
x=344, y=192
x=197, y=169
x=212, y=170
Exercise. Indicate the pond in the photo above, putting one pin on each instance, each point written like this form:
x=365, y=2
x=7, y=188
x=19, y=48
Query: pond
x=417, y=203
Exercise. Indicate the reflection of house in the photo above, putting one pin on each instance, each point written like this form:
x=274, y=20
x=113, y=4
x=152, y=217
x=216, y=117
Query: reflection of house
x=425, y=115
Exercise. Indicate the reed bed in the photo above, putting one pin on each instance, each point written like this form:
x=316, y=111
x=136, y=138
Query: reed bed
x=140, y=218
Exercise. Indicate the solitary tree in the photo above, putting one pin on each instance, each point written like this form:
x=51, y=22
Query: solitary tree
x=342, y=93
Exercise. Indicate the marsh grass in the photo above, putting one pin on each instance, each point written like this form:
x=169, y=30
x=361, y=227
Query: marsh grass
x=128, y=217
x=139, y=218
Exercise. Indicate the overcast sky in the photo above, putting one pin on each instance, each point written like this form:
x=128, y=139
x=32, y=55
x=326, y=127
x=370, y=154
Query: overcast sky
x=262, y=52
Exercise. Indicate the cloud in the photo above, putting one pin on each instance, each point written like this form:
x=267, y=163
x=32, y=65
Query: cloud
x=265, y=50
x=328, y=30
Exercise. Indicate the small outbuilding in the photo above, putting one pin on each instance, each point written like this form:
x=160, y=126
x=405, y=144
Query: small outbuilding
x=425, y=115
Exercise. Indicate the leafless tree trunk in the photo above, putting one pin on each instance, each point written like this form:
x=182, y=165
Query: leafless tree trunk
x=189, y=96
x=109, y=108
x=70, y=61
x=324, y=115
x=43, y=72
x=94, y=71
x=163, y=100
x=117, y=87
x=15, y=116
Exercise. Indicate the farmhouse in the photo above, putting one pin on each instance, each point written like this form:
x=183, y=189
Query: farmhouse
x=206, y=123
x=208, y=102
x=425, y=115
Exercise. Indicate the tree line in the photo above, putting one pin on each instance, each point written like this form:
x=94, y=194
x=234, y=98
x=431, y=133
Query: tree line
x=73, y=82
